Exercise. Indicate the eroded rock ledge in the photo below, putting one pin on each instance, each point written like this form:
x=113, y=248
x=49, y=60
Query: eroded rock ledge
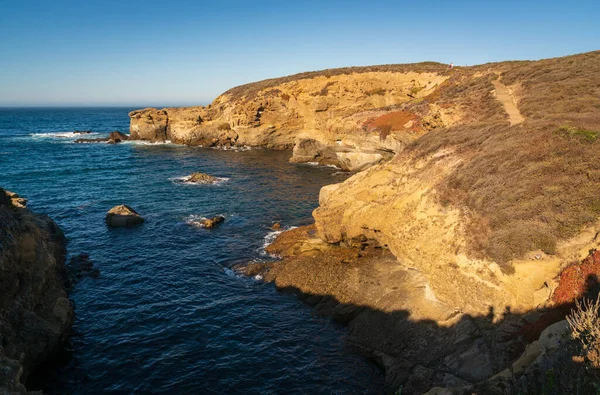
x=35, y=313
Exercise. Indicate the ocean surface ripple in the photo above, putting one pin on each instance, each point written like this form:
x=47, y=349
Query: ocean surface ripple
x=167, y=314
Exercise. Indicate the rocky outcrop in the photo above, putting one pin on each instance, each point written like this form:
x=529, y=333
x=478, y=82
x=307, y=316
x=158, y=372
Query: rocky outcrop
x=149, y=125
x=35, y=313
x=123, y=216
x=320, y=115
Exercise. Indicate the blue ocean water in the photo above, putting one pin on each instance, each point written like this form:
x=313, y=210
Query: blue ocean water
x=167, y=314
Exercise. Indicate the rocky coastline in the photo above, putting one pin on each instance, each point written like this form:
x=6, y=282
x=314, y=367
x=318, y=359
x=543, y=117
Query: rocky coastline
x=443, y=254
x=35, y=313
x=473, y=207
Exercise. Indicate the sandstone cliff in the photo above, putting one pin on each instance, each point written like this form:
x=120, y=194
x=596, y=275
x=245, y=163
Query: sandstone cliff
x=330, y=117
x=35, y=314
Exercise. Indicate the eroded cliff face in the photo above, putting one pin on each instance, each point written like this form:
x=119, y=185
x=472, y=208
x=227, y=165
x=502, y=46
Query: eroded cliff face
x=35, y=313
x=329, y=119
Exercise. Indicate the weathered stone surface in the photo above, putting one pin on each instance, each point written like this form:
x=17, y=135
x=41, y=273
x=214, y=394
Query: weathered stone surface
x=35, y=315
x=357, y=161
x=149, y=125
x=123, y=216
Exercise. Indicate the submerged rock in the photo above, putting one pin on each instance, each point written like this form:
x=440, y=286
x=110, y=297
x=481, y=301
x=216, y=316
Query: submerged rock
x=202, y=178
x=81, y=266
x=123, y=216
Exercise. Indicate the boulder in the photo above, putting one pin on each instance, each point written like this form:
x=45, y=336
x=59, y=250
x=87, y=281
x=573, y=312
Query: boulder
x=357, y=161
x=201, y=178
x=276, y=226
x=123, y=216
x=211, y=222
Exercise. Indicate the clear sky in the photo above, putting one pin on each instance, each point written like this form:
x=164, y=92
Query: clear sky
x=187, y=52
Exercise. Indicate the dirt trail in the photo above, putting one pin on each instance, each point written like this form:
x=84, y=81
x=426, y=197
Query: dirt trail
x=507, y=101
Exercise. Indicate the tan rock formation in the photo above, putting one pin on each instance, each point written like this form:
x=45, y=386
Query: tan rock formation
x=320, y=115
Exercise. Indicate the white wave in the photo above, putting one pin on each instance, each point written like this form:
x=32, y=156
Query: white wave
x=198, y=220
x=142, y=142
x=185, y=181
x=234, y=148
x=63, y=135
x=270, y=238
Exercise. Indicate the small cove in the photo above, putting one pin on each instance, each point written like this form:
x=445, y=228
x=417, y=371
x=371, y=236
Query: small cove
x=167, y=315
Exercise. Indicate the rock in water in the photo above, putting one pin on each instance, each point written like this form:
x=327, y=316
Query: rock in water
x=212, y=222
x=276, y=226
x=123, y=216
x=117, y=137
x=202, y=178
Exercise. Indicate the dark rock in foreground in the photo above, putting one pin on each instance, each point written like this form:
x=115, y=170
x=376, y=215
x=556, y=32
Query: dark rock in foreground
x=123, y=217
x=35, y=313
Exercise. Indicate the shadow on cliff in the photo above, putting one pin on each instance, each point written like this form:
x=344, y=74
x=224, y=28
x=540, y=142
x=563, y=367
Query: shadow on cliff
x=464, y=354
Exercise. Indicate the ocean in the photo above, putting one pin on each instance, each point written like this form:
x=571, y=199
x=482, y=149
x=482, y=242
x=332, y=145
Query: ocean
x=167, y=313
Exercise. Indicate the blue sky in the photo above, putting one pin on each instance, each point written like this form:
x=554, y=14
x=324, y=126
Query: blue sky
x=187, y=52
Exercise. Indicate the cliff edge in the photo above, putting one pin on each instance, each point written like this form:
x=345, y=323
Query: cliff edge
x=35, y=313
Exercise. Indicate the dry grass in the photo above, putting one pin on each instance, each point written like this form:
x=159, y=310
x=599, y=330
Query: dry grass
x=249, y=91
x=528, y=186
x=584, y=321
